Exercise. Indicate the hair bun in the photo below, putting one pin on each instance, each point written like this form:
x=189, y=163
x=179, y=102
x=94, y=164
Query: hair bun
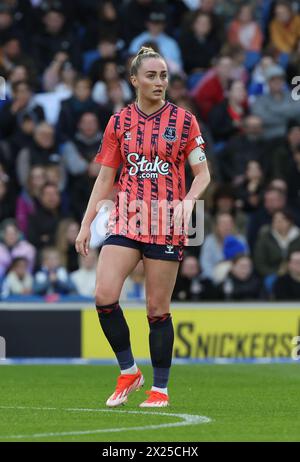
x=145, y=50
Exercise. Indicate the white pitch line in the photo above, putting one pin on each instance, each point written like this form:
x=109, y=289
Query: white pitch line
x=188, y=419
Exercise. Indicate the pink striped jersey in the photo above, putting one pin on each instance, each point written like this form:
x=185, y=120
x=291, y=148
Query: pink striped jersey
x=153, y=150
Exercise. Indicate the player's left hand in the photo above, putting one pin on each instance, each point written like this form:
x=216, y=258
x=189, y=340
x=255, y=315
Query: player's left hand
x=182, y=215
x=83, y=241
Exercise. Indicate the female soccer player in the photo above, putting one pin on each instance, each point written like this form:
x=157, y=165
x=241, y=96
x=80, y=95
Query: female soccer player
x=152, y=138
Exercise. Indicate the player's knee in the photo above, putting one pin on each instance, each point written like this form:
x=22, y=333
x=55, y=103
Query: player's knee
x=156, y=307
x=104, y=296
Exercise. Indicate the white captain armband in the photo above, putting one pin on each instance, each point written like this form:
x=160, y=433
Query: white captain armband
x=196, y=156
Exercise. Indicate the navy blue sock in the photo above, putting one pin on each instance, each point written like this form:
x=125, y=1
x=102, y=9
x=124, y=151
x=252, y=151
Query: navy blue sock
x=161, y=340
x=125, y=359
x=116, y=331
x=161, y=377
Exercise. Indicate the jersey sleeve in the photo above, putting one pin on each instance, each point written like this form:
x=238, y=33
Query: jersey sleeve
x=195, y=139
x=109, y=153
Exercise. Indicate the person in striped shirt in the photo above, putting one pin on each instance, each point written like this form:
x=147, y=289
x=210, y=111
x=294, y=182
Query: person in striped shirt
x=150, y=139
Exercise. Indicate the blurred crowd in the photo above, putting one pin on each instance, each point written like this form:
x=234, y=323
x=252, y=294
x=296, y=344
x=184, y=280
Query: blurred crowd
x=64, y=68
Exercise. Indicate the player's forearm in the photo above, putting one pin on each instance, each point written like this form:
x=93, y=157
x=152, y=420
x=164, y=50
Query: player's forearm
x=198, y=186
x=101, y=190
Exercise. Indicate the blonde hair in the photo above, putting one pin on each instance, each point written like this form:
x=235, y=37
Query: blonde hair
x=144, y=53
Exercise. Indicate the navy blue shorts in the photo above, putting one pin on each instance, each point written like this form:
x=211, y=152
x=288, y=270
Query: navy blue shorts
x=155, y=251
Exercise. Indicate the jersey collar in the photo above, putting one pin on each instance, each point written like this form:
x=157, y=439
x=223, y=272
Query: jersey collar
x=154, y=114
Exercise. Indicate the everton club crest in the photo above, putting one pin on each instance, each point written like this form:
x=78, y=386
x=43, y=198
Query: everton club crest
x=170, y=134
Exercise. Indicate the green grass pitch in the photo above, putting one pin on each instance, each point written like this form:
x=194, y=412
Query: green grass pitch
x=244, y=402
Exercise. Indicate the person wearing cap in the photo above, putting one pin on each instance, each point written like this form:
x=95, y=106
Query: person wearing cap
x=167, y=46
x=277, y=107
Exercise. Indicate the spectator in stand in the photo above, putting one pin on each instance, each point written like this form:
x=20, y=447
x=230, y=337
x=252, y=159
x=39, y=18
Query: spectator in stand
x=190, y=285
x=226, y=118
x=73, y=108
x=84, y=279
x=116, y=97
x=224, y=201
x=284, y=27
x=282, y=153
x=275, y=243
x=293, y=179
x=7, y=197
x=13, y=55
x=212, y=248
x=22, y=11
x=78, y=157
x=60, y=75
x=107, y=22
x=56, y=176
x=135, y=15
x=229, y=10
x=43, y=222
x=238, y=56
x=7, y=25
x=244, y=147
x=107, y=49
x=52, y=278
x=44, y=151
x=258, y=83
x=40, y=7
x=287, y=287
x=12, y=245
x=212, y=88
x=109, y=72
x=249, y=192
x=293, y=66
x=233, y=246
x=55, y=36
x=273, y=200
x=210, y=7
x=177, y=88
x=280, y=184
x=241, y=283
x=7, y=160
x=18, y=73
x=155, y=33
x=198, y=44
x=23, y=138
x=245, y=31
x=18, y=281
x=67, y=232
x=22, y=104
x=29, y=196
x=277, y=107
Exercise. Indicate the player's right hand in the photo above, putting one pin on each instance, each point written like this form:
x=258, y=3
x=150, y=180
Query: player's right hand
x=83, y=241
